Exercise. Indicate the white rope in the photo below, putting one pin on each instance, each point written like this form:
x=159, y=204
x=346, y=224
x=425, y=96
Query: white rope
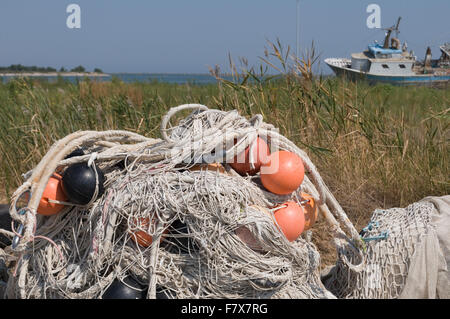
x=157, y=184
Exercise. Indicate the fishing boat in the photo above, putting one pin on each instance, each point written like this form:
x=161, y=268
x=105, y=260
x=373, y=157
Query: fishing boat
x=392, y=63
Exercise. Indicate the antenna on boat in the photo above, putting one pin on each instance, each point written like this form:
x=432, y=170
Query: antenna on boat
x=397, y=31
x=297, y=32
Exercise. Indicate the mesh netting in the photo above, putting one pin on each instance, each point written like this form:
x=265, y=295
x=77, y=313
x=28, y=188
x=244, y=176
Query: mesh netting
x=213, y=233
x=230, y=245
x=391, y=239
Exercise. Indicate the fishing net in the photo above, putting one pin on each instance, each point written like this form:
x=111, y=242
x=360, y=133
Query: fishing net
x=404, y=255
x=213, y=233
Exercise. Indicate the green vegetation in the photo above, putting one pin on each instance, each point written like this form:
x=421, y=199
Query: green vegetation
x=375, y=146
x=79, y=68
x=18, y=68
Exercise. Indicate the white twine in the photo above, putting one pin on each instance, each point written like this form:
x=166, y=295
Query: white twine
x=97, y=240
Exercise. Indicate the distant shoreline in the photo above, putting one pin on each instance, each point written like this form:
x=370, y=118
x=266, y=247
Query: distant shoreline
x=37, y=74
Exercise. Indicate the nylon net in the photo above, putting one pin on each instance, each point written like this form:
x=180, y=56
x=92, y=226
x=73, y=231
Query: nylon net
x=391, y=240
x=179, y=220
x=213, y=234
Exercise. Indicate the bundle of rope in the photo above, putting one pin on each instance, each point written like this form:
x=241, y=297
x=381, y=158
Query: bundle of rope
x=153, y=184
x=229, y=244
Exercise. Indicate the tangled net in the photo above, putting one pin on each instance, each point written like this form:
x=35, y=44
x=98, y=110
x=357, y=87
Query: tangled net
x=227, y=243
x=392, y=236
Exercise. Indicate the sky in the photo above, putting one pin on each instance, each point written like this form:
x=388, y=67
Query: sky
x=180, y=36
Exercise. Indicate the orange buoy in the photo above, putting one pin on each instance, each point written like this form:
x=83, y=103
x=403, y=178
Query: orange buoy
x=310, y=209
x=242, y=163
x=283, y=173
x=290, y=219
x=215, y=167
x=248, y=238
x=141, y=237
x=52, y=191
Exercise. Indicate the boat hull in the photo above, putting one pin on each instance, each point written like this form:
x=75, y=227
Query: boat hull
x=341, y=68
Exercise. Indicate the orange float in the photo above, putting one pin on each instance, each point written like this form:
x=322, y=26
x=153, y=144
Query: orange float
x=310, y=209
x=260, y=153
x=283, y=173
x=247, y=237
x=141, y=237
x=290, y=219
x=52, y=191
x=215, y=167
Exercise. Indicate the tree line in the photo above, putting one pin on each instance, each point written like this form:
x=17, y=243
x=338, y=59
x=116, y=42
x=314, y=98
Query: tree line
x=21, y=68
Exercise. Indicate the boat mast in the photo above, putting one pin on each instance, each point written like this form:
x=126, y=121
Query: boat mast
x=388, y=34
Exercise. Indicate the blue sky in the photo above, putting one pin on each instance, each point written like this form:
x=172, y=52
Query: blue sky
x=175, y=36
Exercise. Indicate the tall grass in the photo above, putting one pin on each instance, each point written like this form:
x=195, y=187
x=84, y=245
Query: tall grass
x=376, y=146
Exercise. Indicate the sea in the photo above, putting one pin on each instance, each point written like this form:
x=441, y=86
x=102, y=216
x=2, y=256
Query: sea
x=181, y=78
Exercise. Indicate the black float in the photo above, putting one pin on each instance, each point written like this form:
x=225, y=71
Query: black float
x=180, y=241
x=128, y=289
x=5, y=223
x=79, y=183
x=76, y=152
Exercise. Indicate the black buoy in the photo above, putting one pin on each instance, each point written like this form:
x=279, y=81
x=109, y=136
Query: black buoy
x=79, y=182
x=120, y=165
x=160, y=293
x=77, y=152
x=180, y=239
x=5, y=223
x=129, y=288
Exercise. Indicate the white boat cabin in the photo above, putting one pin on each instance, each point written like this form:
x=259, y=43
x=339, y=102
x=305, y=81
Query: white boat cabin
x=381, y=61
